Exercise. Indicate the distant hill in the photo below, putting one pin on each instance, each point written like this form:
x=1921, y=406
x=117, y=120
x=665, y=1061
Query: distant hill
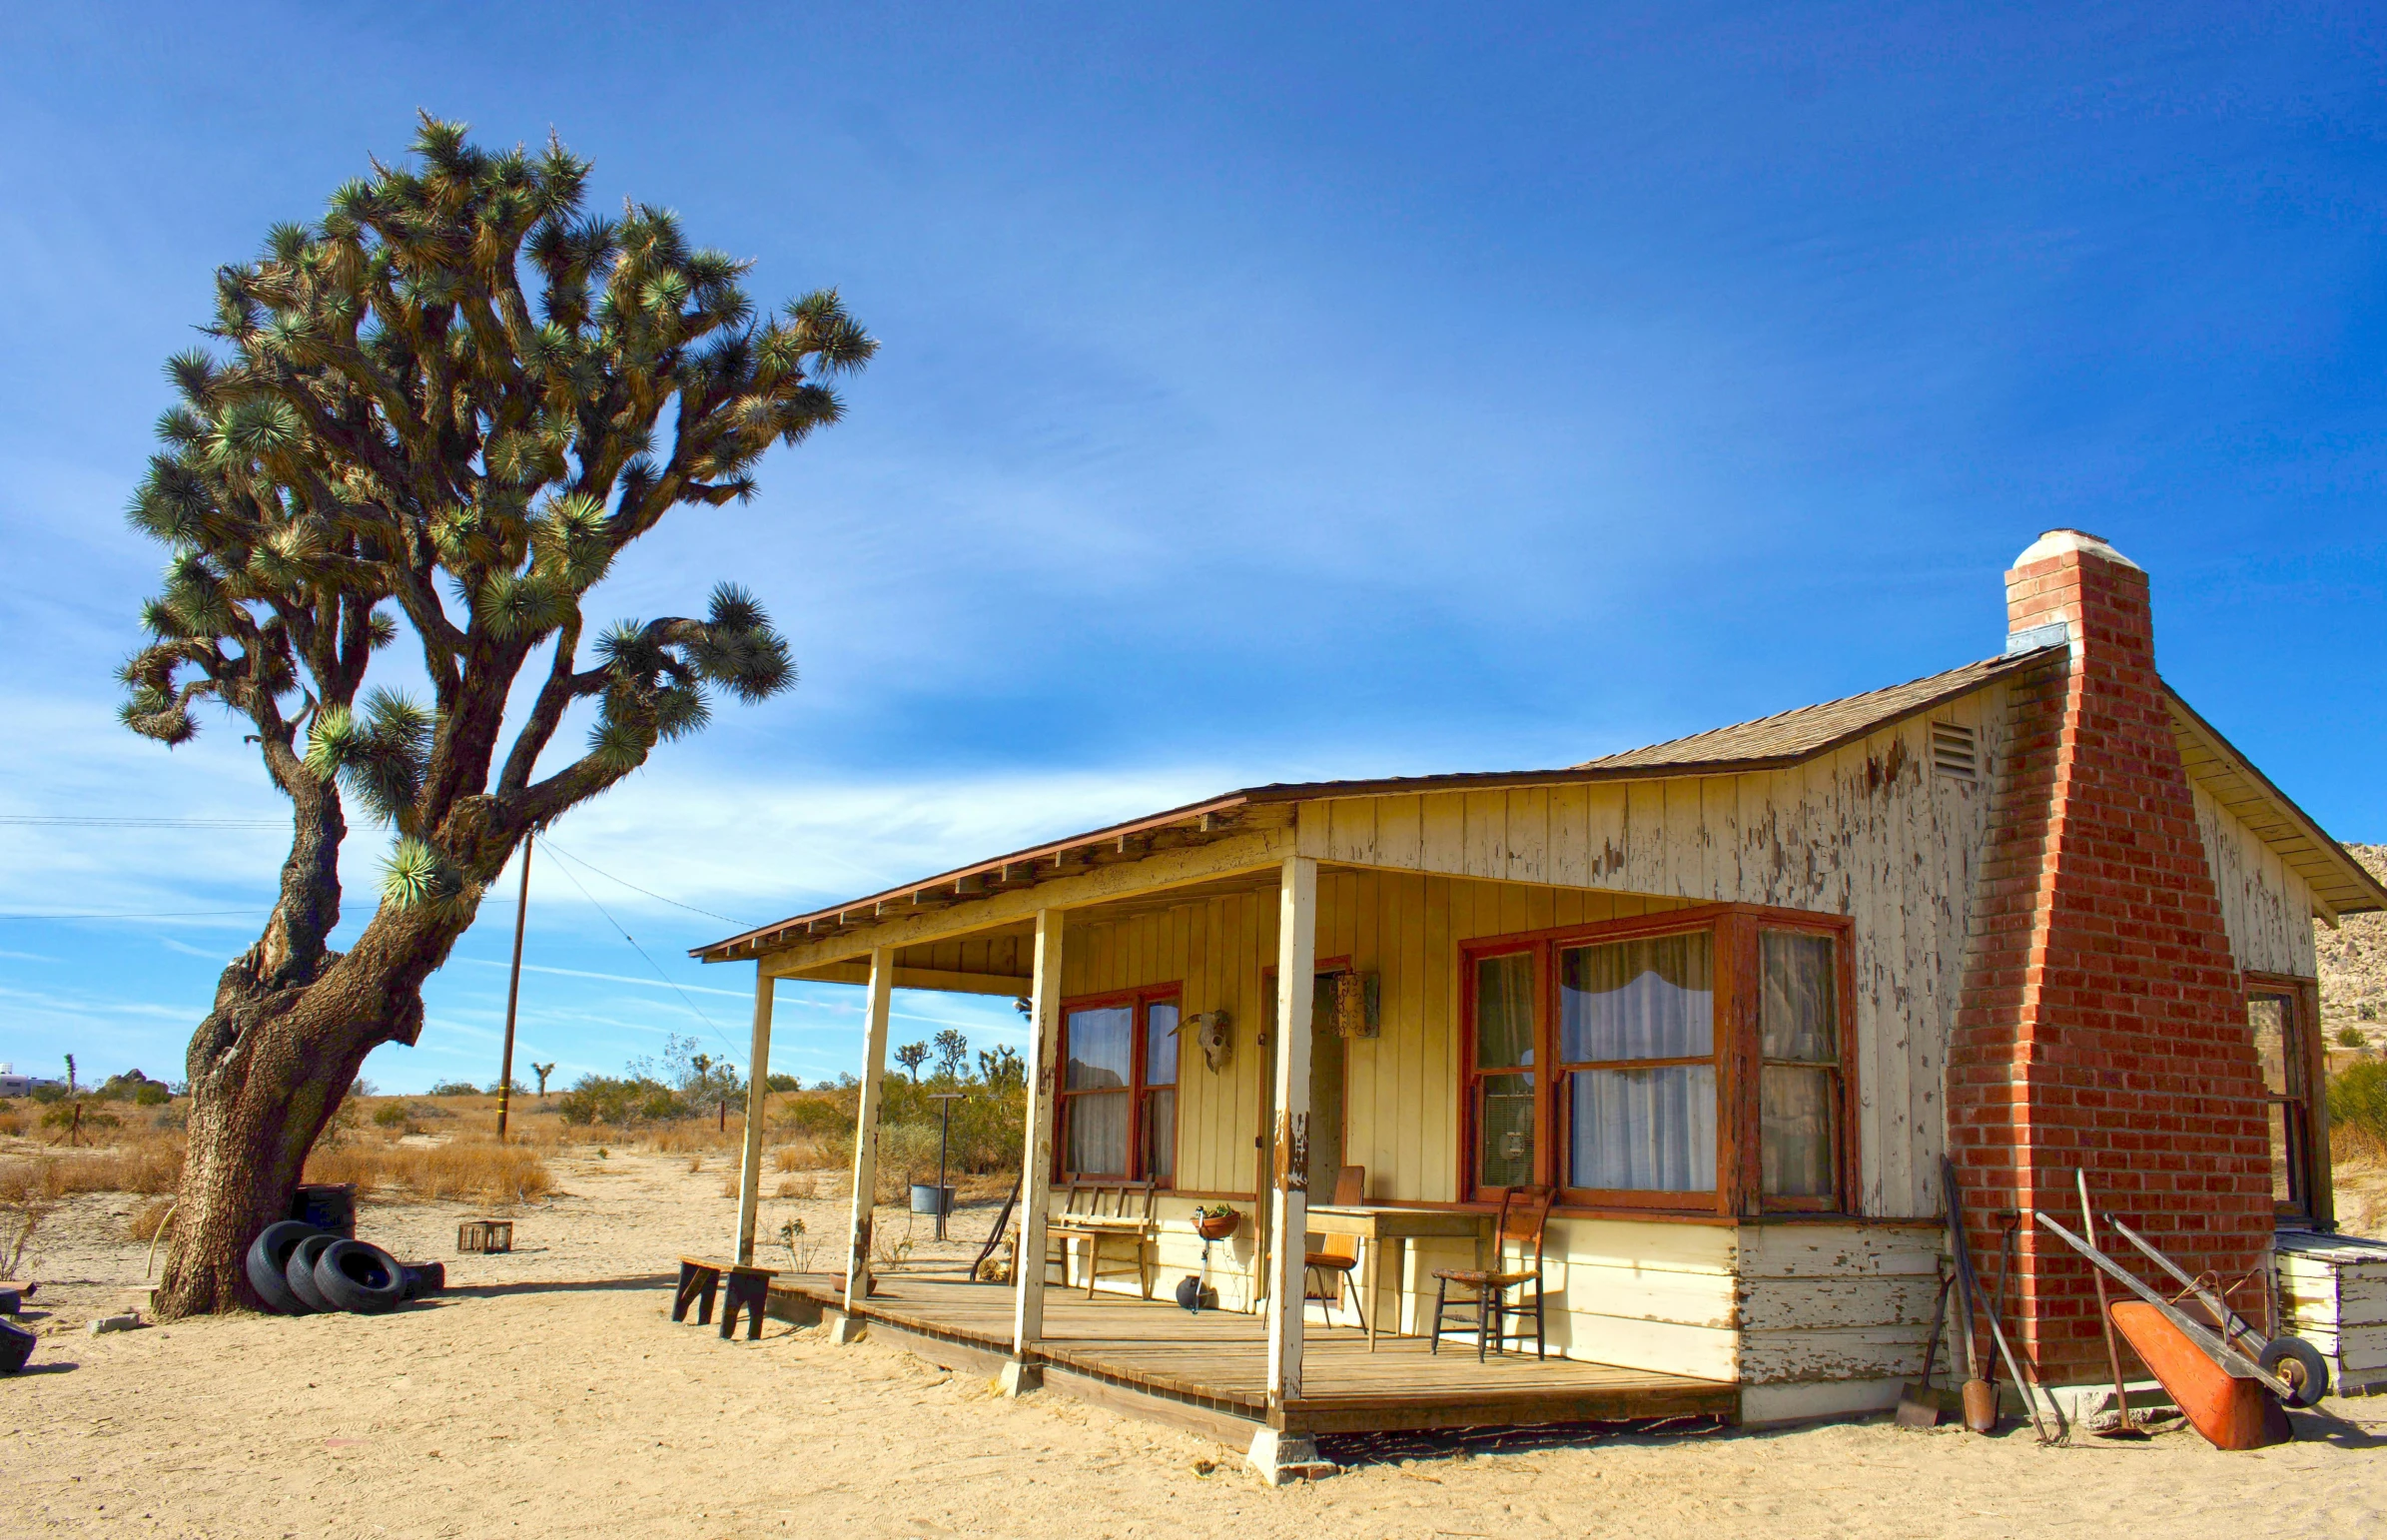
x=2353, y=961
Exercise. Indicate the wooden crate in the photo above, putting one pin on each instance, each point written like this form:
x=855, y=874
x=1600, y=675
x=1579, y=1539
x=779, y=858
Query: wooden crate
x=485, y=1235
x=2333, y=1294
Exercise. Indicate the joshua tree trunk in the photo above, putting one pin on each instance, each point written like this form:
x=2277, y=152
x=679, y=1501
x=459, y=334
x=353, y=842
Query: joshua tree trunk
x=292, y=1024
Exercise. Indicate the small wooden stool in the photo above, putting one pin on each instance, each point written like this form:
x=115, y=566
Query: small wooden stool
x=699, y=1285
x=749, y=1289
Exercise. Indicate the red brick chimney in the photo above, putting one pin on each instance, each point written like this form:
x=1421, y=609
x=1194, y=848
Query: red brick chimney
x=2102, y=1025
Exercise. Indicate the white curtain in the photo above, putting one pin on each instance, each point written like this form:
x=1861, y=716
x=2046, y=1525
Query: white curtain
x=1644, y=1131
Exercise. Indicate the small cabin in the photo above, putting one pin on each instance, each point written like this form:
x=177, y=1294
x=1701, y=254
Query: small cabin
x=1716, y=1010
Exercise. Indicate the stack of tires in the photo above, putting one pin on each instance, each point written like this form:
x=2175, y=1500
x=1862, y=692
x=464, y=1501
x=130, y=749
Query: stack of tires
x=299, y=1269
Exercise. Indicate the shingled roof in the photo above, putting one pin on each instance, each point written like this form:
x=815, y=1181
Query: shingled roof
x=1774, y=742
x=1789, y=736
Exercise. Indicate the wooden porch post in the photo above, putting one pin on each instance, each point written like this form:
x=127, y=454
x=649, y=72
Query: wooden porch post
x=758, y=1090
x=866, y=1142
x=1036, y=1174
x=1273, y=1451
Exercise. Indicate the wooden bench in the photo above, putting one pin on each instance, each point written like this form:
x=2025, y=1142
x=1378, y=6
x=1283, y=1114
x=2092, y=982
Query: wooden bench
x=700, y=1282
x=1099, y=1213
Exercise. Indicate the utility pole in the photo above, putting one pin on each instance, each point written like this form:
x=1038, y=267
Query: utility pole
x=513, y=993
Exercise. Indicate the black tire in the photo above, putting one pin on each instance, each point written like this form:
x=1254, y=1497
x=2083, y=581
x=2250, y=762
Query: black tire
x=269, y=1253
x=359, y=1277
x=2301, y=1366
x=16, y=1345
x=298, y=1271
x=424, y=1280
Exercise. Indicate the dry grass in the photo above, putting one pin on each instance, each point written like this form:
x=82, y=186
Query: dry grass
x=144, y=1161
x=149, y=1219
x=12, y=1125
x=461, y=1167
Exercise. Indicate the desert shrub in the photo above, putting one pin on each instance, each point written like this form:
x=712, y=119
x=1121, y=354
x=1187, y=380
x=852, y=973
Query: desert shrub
x=48, y=1092
x=814, y=1113
x=12, y=1123
x=78, y=1114
x=149, y=1219
x=2350, y=1037
x=390, y=1115
x=2358, y=1109
x=151, y=1094
x=601, y=1099
x=783, y=1083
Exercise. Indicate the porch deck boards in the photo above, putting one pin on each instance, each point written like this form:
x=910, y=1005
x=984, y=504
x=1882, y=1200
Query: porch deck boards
x=1219, y=1359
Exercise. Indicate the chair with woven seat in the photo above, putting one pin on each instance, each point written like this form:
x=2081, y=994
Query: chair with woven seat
x=1337, y=1255
x=1524, y=1220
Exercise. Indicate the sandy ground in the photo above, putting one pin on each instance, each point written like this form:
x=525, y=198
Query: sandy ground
x=549, y=1394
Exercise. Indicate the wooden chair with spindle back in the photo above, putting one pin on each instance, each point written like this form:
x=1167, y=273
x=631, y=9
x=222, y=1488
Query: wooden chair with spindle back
x=1338, y=1255
x=1524, y=1219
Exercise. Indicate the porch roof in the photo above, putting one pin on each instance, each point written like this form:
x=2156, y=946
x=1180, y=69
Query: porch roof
x=1774, y=742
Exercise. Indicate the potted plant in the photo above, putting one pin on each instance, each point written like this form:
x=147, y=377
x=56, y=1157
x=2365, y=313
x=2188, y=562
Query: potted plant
x=1215, y=1223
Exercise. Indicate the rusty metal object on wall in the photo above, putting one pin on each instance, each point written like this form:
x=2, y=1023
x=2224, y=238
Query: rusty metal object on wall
x=1356, y=1003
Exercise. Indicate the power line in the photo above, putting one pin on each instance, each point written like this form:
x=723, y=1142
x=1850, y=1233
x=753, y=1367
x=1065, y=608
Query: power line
x=650, y=962
x=148, y=823
x=172, y=914
x=549, y=842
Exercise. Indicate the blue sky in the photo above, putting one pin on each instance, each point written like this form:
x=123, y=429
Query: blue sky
x=1265, y=393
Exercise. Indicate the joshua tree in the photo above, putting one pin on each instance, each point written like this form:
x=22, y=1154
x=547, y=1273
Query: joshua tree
x=543, y=1070
x=953, y=1053
x=462, y=396
x=912, y=1056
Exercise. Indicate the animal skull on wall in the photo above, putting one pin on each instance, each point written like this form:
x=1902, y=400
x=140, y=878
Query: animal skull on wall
x=1209, y=1031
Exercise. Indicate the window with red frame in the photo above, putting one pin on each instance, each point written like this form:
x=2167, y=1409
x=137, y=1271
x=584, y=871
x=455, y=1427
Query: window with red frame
x=1696, y=1061
x=1118, y=1088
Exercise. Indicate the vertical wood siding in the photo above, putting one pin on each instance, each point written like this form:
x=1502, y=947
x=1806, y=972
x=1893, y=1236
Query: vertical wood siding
x=2265, y=905
x=1871, y=830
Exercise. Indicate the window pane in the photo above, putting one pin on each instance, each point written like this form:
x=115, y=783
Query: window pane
x=1160, y=1043
x=1159, y=1135
x=1097, y=1140
x=1504, y=1123
x=1644, y=1131
x=1653, y=998
x=2283, y=1166
x=1504, y=1011
x=1796, y=1109
x=1101, y=1045
x=1800, y=1015
x=2268, y=1015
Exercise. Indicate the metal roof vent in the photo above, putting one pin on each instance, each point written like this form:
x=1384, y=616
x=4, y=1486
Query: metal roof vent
x=1955, y=752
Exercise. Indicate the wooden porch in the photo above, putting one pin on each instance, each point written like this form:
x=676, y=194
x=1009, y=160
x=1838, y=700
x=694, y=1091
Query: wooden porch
x=1209, y=1371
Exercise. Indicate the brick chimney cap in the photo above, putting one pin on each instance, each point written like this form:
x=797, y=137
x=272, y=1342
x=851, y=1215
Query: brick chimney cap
x=2058, y=543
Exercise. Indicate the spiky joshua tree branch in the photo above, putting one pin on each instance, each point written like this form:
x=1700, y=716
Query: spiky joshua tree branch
x=445, y=408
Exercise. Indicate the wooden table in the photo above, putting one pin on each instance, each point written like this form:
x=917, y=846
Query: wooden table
x=1377, y=1225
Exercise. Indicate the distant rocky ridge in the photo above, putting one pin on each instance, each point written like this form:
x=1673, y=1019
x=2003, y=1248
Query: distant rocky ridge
x=2353, y=965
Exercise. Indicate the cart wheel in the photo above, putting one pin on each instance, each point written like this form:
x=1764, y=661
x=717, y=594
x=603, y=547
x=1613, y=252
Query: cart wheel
x=2301, y=1366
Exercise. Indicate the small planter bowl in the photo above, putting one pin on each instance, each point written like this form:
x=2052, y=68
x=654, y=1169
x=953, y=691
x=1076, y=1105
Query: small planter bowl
x=1218, y=1226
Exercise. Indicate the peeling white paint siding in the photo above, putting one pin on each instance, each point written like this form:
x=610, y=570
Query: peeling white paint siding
x=1870, y=831
x=2265, y=905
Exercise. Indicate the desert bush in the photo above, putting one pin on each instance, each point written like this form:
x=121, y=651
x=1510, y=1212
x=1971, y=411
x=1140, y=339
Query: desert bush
x=2358, y=1110
x=475, y=1169
x=12, y=1123
x=454, y=1089
x=391, y=1115
x=620, y=1102
x=78, y=1114
x=149, y=1219
x=814, y=1113
x=19, y=1218
x=151, y=1094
